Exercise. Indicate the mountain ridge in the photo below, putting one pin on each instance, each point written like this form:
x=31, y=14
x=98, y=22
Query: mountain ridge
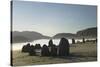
x=32, y=35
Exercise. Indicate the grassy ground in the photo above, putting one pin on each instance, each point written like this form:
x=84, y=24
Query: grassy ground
x=83, y=52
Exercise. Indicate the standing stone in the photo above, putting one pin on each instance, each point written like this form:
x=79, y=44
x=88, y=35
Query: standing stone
x=37, y=46
x=53, y=51
x=83, y=40
x=32, y=51
x=73, y=41
x=96, y=40
x=26, y=48
x=50, y=43
x=63, y=47
x=45, y=51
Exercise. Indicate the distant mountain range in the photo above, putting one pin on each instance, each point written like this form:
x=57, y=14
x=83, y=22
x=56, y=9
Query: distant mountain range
x=28, y=36
x=66, y=35
x=86, y=33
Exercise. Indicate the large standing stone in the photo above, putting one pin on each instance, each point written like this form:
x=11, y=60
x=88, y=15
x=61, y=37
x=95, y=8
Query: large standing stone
x=45, y=51
x=50, y=44
x=53, y=51
x=63, y=47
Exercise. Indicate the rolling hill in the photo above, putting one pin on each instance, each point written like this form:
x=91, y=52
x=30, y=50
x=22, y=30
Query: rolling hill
x=28, y=36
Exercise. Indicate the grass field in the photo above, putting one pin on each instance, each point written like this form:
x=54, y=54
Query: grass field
x=83, y=52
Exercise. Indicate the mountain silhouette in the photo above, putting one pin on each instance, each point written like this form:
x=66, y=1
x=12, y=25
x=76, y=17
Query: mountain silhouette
x=64, y=35
x=19, y=39
x=28, y=36
x=87, y=33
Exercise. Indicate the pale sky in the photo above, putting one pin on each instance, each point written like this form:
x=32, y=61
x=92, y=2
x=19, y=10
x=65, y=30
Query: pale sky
x=52, y=18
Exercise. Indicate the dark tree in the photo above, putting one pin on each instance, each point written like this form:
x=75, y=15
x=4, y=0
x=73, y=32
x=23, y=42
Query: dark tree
x=83, y=40
x=32, y=51
x=63, y=47
x=53, y=51
x=73, y=41
x=37, y=46
x=26, y=48
x=45, y=51
x=50, y=43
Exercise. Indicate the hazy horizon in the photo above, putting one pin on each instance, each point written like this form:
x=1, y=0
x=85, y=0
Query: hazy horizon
x=51, y=18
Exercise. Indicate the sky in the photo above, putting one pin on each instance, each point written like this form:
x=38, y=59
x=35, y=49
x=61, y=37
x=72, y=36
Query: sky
x=52, y=18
